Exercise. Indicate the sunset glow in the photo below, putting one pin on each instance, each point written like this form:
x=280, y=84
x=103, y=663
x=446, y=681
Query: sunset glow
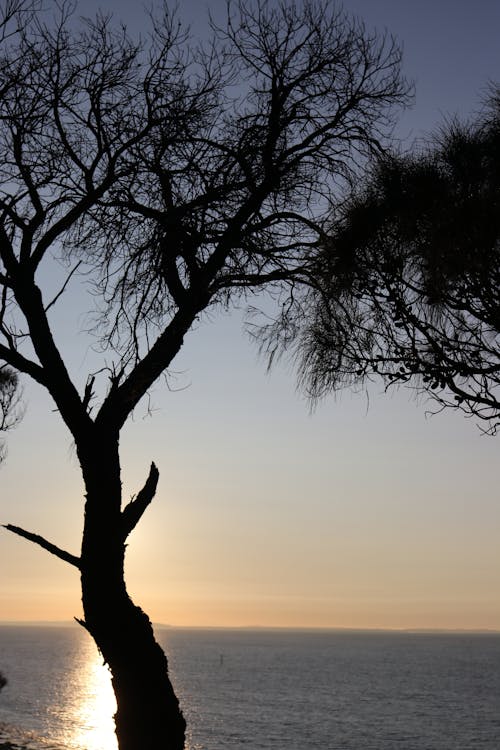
x=365, y=513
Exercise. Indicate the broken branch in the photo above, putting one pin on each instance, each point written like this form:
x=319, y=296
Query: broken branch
x=132, y=513
x=52, y=548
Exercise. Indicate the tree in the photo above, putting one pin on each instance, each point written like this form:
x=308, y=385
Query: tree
x=411, y=277
x=174, y=178
x=9, y=403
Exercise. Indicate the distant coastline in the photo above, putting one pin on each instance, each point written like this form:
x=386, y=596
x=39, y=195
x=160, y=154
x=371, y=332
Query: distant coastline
x=272, y=628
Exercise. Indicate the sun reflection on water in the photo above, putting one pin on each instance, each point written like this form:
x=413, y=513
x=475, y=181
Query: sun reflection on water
x=93, y=725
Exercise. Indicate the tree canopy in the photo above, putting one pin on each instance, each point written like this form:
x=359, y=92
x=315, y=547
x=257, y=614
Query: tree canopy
x=410, y=277
x=177, y=176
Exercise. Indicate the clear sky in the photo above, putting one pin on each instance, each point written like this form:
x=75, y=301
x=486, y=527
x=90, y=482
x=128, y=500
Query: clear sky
x=266, y=514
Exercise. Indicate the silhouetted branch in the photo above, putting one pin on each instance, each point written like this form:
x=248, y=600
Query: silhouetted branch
x=64, y=287
x=133, y=512
x=52, y=548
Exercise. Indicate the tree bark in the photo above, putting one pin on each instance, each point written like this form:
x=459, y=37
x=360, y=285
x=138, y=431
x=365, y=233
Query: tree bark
x=148, y=715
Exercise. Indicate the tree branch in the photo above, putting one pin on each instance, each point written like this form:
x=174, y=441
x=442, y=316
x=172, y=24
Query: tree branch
x=132, y=513
x=37, y=539
x=121, y=400
x=21, y=363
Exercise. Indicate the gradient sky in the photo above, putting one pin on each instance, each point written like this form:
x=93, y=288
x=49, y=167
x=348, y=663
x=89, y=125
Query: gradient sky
x=365, y=513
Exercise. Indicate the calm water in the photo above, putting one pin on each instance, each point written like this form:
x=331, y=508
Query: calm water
x=282, y=690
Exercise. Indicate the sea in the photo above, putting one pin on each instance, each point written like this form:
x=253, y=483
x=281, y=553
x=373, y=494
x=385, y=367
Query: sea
x=265, y=689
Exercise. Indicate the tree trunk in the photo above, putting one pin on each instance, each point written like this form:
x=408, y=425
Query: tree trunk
x=148, y=716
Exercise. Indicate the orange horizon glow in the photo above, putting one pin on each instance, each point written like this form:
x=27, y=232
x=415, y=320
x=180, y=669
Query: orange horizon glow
x=228, y=615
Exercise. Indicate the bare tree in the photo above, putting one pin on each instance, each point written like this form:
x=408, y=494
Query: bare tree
x=176, y=178
x=410, y=289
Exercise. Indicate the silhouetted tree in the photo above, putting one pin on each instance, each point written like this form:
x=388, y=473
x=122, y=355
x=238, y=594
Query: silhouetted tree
x=410, y=286
x=3, y=681
x=9, y=403
x=175, y=178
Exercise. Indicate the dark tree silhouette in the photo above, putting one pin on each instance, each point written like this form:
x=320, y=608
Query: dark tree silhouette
x=175, y=178
x=410, y=274
x=9, y=403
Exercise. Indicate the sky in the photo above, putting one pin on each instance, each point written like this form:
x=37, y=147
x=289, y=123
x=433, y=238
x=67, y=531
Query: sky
x=365, y=512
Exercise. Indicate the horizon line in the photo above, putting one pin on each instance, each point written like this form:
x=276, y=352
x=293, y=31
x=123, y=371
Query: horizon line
x=337, y=628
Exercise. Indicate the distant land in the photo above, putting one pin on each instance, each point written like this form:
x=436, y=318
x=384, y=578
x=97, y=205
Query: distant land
x=166, y=626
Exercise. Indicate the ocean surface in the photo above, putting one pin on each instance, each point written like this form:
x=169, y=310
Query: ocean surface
x=269, y=689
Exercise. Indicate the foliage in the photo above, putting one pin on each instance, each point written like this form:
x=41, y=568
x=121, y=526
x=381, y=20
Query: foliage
x=410, y=287
x=10, y=412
